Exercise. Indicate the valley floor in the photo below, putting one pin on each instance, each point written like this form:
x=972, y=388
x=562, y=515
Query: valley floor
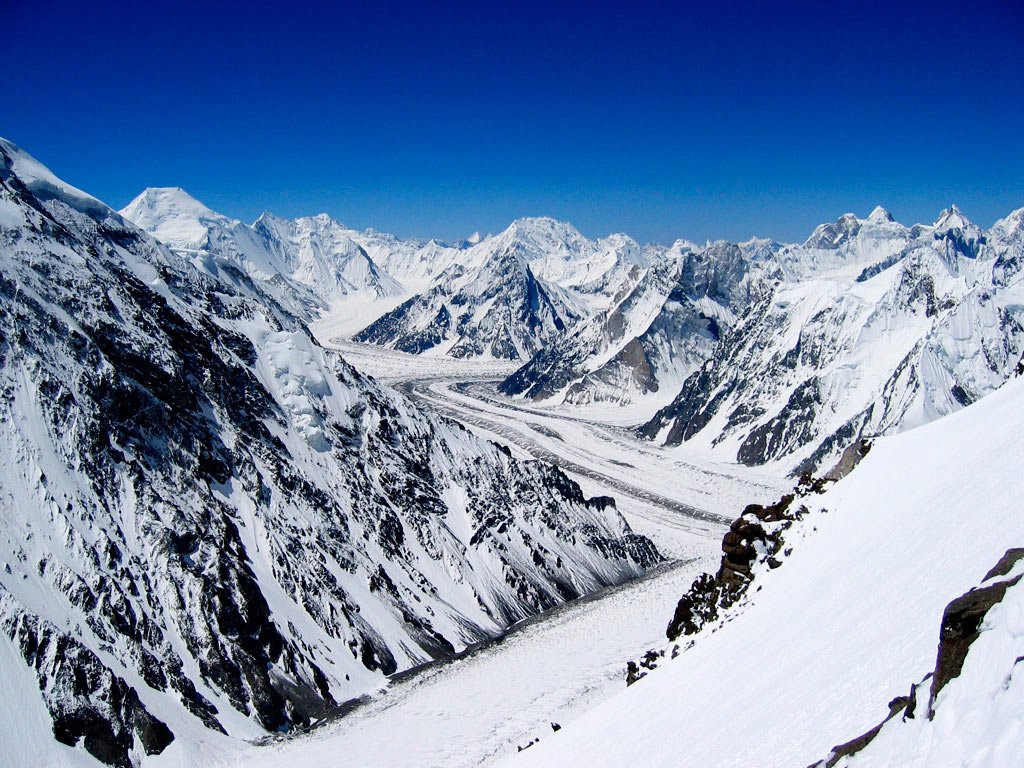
x=482, y=706
x=680, y=499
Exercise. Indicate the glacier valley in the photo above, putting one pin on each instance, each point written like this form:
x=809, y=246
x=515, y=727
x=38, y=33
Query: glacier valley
x=292, y=493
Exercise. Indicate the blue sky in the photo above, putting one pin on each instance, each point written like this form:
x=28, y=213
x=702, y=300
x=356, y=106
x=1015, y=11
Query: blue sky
x=701, y=120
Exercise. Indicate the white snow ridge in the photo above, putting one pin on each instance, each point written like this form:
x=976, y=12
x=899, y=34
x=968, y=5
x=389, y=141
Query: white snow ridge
x=292, y=493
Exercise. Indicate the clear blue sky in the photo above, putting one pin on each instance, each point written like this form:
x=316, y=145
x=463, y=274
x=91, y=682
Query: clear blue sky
x=702, y=120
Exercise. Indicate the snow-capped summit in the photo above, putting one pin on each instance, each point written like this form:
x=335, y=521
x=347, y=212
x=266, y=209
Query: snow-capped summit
x=173, y=216
x=321, y=253
x=512, y=293
x=951, y=218
x=316, y=256
x=493, y=306
x=880, y=215
x=833, y=235
x=960, y=236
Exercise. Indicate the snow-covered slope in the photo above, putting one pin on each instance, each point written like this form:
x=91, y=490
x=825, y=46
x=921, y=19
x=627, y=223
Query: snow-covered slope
x=877, y=328
x=210, y=523
x=812, y=655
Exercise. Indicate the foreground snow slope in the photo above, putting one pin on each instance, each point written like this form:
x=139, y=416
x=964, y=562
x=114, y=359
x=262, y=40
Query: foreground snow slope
x=979, y=715
x=846, y=624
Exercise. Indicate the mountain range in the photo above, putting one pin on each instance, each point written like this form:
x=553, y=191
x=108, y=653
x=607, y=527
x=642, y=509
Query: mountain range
x=758, y=352
x=213, y=528
x=211, y=523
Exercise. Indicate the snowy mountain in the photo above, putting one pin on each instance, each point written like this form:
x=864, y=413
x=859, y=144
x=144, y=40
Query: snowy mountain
x=211, y=524
x=876, y=328
x=511, y=295
x=491, y=306
x=885, y=631
x=502, y=296
x=315, y=254
x=654, y=336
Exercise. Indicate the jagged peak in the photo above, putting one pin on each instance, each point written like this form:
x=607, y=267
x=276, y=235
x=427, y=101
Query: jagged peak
x=952, y=218
x=834, y=234
x=270, y=218
x=1013, y=222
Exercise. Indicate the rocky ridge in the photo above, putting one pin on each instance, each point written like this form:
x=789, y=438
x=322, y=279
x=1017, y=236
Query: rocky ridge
x=901, y=327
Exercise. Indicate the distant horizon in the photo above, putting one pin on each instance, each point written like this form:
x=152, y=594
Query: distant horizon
x=252, y=218
x=662, y=121
x=592, y=236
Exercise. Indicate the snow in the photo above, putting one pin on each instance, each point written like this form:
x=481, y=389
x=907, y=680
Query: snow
x=10, y=214
x=43, y=182
x=658, y=489
x=807, y=661
x=848, y=621
x=979, y=715
x=22, y=712
x=304, y=525
x=172, y=215
x=468, y=712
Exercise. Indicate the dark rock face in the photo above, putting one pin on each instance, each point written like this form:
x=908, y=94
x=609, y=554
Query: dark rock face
x=755, y=536
x=757, y=533
x=669, y=343
x=501, y=309
x=961, y=620
x=87, y=701
x=231, y=514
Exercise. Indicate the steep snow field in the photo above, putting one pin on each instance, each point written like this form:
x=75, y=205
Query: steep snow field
x=979, y=720
x=847, y=623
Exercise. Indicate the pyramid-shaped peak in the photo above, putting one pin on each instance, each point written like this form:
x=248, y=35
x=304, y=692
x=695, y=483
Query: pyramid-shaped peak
x=172, y=215
x=168, y=199
x=880, y=216
x=156, y=206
